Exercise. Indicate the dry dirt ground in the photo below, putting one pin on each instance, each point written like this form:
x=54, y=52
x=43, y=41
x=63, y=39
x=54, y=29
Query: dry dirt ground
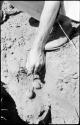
x=59, y=96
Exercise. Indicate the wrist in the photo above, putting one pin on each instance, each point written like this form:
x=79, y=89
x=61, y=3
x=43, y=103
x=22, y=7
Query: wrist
x=39, y=44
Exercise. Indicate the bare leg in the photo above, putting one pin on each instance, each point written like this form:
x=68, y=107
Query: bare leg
x=59, y=38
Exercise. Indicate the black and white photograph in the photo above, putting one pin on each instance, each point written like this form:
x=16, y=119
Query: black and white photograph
x=39, y=62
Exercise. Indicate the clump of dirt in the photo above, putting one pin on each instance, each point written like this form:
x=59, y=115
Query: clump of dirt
x=61, y=88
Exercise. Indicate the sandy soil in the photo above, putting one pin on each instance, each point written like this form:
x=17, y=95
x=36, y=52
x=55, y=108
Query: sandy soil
x=60, y=93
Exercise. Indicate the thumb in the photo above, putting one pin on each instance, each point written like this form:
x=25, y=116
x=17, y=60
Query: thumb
x=30, y=70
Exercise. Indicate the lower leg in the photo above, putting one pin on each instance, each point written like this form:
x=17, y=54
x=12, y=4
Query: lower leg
x=59, y=38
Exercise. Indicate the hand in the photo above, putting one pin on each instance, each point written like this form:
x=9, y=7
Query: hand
x=35, y=61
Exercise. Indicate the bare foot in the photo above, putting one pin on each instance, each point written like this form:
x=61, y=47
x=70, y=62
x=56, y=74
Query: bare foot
x=55, y=44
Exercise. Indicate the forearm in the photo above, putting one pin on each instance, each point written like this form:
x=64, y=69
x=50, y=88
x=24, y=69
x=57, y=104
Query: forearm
x=47, y=19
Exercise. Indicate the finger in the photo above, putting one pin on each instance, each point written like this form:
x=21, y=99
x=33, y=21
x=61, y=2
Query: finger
x=35, y=76
x=29, y=73
x=29, y=70
x=38, y=69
